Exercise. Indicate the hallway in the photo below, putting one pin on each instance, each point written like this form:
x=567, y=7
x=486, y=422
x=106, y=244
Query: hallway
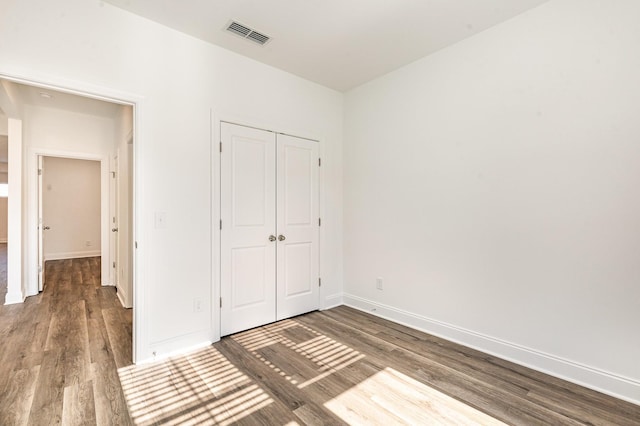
x=62, y=348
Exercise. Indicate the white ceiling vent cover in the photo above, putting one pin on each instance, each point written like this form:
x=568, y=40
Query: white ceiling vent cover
x=247, y=33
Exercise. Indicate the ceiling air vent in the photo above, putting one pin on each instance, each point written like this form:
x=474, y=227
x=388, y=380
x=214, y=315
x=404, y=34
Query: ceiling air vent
x=247, y=33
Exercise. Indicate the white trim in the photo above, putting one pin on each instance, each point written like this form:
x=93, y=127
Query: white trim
x=332, y=301
x=32, y=212
x=118, y=293
x=82, y=88
x=215, y=227
x=15, y=223
x=71, y=255
x=155, y=356
x=620, y=387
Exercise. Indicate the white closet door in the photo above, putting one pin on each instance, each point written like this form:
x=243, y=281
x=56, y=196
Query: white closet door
x=298, y=236
x=248, y=201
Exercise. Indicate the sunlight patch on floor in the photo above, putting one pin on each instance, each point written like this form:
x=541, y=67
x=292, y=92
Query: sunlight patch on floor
x=390, y=397
x=197, y=389
x=328, y=355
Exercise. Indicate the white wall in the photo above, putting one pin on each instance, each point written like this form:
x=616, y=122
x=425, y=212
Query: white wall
x=494, y=187
x=71, y=208
x=177, y=80
x=61, y=130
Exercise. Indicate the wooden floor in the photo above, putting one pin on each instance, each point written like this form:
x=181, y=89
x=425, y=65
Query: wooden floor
x=3, y=272
x=345, y=367
x=61, y=350
x=65, y=359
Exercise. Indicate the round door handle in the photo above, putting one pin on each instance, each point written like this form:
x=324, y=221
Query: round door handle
x=114, y=229
x=281, y=238
x=272, y=238
x=44, y=228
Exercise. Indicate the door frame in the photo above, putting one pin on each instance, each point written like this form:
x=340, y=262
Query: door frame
x=218, y=117
x=113, y=215
x=139, y=266
x=33, y=209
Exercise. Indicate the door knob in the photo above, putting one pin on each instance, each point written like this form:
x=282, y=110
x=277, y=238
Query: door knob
x=272, y=238
x=281, y=238
x=44, y=228
x=114, y=229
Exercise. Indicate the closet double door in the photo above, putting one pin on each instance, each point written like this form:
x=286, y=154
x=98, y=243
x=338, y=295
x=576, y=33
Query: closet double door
x=270, y=227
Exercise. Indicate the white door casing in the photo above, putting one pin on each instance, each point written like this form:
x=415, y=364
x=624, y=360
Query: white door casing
x=40, y=227
x=248, y=214
x=113, y=223
x=297, y=226
x=269, y=202
x=124, y=239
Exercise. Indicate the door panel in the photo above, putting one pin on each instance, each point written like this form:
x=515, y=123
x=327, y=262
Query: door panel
x=297, y=223
x=248, y=213
x=298, y=267
x=248, y=276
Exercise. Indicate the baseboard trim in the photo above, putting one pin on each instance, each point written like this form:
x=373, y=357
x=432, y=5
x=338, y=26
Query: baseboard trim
x=13, y=298
x=3, y=241
x=119, y=295
x=72, y=255
x=332, y=301
x=608, y=383
x=173, y=353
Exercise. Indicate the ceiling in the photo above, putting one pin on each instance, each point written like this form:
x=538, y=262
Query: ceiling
x=22, y=94
x=339, y=44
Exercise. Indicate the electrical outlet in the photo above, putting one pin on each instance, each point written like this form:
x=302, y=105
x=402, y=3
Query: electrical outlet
x=379, y=283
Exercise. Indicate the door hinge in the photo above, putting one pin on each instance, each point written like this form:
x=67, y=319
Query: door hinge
x=113, y=174
x=220, y=146
x=319, y=222
x=220, y=223
x=39, y=172
x=136, y=244
x=221, y=302
x=114, y=264
x=319, y=282
x=319, y=162
x=39, y=268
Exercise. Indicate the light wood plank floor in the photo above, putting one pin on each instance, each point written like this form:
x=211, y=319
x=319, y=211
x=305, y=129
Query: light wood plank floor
x=343, y=366
x=61, y=350
x=65, y=360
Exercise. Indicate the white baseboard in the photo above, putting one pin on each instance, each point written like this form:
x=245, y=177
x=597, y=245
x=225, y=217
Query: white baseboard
x=332, y=301
x=122, y=297
x=602, y=381
x=176, y=346
x=13, y=298
x=72, y=255
x=3, y=240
